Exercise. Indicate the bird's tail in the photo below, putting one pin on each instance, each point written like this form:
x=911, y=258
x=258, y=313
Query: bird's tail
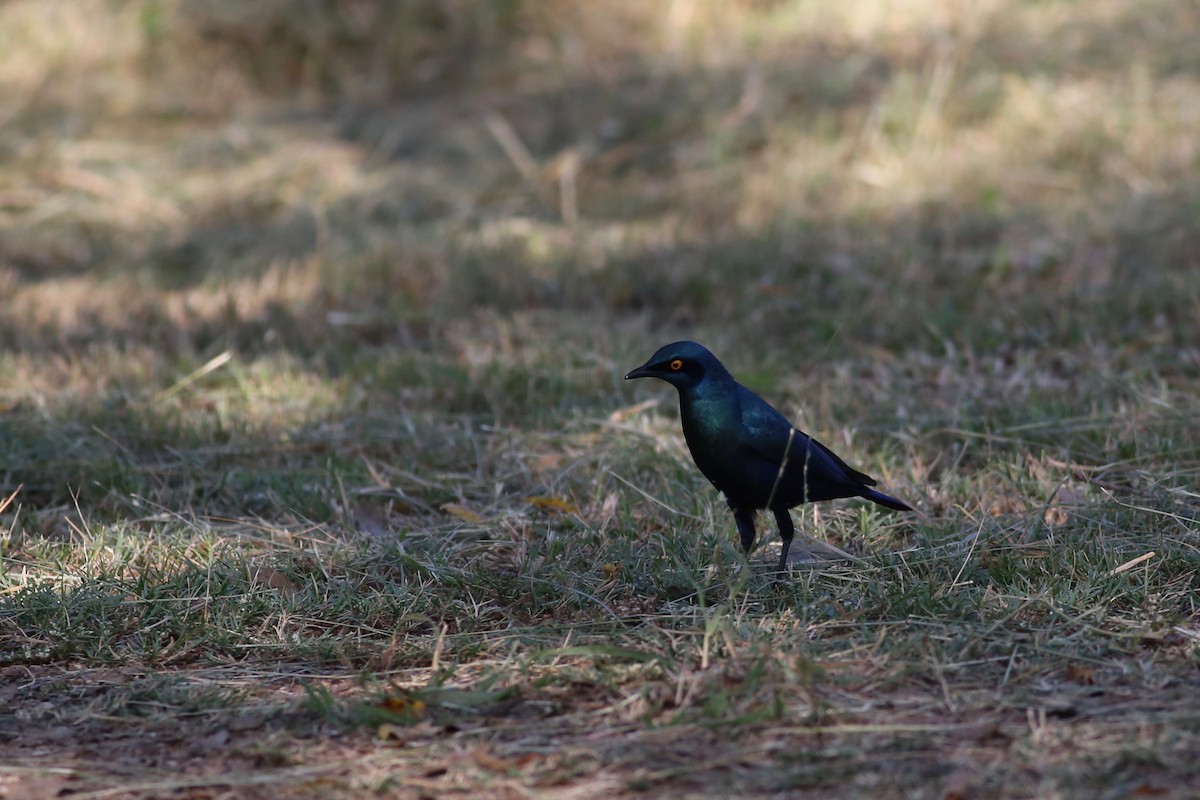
x=885, y=500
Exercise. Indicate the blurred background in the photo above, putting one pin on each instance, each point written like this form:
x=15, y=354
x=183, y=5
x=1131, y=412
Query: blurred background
x=227, y=219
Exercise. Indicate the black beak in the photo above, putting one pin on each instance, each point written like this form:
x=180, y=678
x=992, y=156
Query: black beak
x=644, y=371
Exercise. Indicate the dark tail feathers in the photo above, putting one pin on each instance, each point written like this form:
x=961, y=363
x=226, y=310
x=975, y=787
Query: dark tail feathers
x=885, y=500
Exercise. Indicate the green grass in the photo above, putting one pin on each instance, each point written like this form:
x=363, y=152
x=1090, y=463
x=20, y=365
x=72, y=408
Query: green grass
x=324, y=480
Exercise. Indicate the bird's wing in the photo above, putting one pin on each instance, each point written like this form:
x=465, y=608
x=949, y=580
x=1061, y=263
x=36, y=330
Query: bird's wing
x=767, y=433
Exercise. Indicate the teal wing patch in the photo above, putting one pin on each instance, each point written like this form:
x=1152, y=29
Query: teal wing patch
x=767, y=434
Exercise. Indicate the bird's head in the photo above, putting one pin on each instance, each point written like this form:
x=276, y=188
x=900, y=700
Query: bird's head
x=684, y=365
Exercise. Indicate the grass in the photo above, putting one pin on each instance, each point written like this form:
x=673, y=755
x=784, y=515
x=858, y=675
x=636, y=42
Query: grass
x=323, y=480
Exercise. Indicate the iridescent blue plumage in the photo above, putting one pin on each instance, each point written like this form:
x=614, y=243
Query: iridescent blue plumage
x=747, y=449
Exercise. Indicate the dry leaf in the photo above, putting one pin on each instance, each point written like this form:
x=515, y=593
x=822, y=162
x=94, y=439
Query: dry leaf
x=1066, y=497
x=1055, y=516
x=554, y=505
x=547, y=462
x=1081, y=673
x=608, y=509
x=404, y=734
x=404, y=705
x=463, y=513
x=389, y=732
x=491, y=763
x=273, y=579
x=999, y=506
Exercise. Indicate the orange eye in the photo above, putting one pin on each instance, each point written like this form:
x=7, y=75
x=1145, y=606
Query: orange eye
x=676, y=365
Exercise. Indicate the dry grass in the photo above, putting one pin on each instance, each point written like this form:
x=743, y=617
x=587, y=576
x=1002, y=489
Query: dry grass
x=324, y=481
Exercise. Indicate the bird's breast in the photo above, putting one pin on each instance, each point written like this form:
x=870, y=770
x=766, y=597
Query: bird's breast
x=711, y=427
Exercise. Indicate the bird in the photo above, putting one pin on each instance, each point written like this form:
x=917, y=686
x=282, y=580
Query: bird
x=748, y=450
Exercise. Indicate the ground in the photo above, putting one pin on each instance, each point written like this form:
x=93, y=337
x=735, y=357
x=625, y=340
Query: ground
x=322, y=478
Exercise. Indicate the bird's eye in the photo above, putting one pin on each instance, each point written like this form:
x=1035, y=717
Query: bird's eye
x=676, y=365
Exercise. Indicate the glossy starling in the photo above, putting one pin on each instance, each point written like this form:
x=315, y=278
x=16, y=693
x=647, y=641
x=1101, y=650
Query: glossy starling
x=747, y=449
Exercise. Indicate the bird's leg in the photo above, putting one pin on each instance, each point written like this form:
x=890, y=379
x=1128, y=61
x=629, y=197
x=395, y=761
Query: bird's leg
x=744, y=517
x=787, y=530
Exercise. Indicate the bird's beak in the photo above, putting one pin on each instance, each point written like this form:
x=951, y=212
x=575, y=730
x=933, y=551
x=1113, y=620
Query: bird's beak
x=644, y=371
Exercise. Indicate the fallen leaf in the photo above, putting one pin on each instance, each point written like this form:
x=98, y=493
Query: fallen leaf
x=1055, y=516
x=273, y=579
x=547, y=462
x=463, y=513
x=389, y=732
x=404, y=734
x=608, y=509
x=1005, y=505
x=404, y=705
x=1065, y=498
x=491, y=763
x=554, y=505
x=1081, y=673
